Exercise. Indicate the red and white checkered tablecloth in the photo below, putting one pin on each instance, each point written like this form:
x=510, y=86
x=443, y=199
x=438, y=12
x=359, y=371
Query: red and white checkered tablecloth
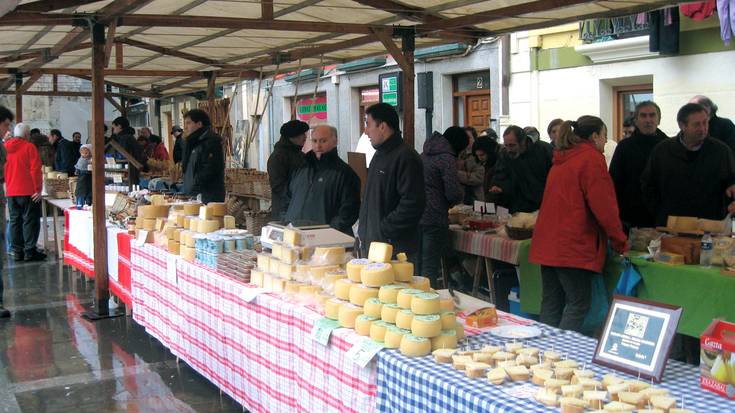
x=493, y=246
x=260, y=353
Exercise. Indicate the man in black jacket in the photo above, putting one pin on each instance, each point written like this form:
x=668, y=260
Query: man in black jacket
x=719, y=128
x=521, y=171
x=394, y=196
x=286, y=158
x=66, y=153
x=692, y=174
x=629, y=161
x=124, y=135
x=204, y=161
x=325, y=190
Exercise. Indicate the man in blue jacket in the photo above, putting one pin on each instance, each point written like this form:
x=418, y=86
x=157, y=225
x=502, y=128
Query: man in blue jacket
x=66, y=153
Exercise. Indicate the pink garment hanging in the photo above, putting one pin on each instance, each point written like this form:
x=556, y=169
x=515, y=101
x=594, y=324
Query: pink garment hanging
x=699, y=11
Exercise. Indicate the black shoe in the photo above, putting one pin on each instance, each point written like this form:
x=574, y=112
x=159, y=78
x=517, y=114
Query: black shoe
x=4, y=313
x=35, y=256
x=16, y=256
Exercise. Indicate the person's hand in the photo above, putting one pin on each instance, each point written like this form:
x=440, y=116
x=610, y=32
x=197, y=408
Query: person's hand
x=731, y=208
x=496, y=190
x=36, y=197
x=730, y=192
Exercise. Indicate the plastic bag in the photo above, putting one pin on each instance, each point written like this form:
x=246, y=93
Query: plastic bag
x=629, y=279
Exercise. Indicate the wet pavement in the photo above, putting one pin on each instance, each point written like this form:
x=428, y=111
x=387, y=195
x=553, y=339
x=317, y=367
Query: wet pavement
x=53, y=360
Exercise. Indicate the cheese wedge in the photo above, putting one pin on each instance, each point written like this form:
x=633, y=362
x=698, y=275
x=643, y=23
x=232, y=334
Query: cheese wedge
x=497, y=376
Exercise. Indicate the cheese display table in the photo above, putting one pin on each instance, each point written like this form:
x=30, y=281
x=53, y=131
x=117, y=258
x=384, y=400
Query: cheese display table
x=79, y=250
x=486, y=245
x=422, y=385
x=682, y=285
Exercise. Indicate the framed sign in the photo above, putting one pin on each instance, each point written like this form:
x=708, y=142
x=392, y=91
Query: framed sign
x=391, y=88
x=637, y=337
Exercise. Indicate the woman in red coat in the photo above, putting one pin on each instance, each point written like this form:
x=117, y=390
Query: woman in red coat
x=578, y=215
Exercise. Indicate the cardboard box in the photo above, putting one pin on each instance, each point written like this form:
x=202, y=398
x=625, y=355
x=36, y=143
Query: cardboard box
x=717, y=361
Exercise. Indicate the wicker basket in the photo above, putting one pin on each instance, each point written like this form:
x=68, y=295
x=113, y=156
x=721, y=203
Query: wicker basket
x=262, y=188
x=519, y=233
x=256, y=220
x=57, y=188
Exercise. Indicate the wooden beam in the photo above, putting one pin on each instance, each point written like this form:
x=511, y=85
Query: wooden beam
x=72, y=38
x=62, y=93
x=118, y=56
x=52, y=5
x=111, y=72
x=5, y=85
x=18, y=98
x=177, y=83
x=109, y=42
x=28, y=83
x=295, y=7
x=407, y=12
x=385, y=37
x=101, y=288
x=114, y=103
x=19, y=57
x=55, y=83
x=173, y=52
x=266, y=9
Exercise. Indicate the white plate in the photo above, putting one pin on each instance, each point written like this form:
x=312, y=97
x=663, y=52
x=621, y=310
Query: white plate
x=516, y=332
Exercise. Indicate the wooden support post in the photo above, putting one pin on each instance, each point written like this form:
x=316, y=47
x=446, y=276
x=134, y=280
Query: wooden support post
x=18, y=98
x=211, y=78
x=119, y=56
x=408, y=45
x=56, y=83
x=102, y=293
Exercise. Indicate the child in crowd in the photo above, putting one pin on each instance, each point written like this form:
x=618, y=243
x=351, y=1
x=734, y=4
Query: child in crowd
x=84, y=184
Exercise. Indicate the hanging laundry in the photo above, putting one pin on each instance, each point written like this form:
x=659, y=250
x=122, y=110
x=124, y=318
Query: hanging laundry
x=699, y=11
x=664, y=31
x=726, y=12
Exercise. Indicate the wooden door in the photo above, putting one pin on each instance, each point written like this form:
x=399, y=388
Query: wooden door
x=477, y=112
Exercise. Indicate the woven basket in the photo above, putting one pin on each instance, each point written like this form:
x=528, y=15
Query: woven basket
x=519, y=233
x=255, y=221
x=262, y=188
x=57, y=188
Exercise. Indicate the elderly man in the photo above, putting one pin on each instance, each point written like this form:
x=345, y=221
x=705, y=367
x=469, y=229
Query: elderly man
x=325, y=190
x=629, y=161
x=521, y=171
x=286, y=158
x=691, y=174
x=23, y=183
x=719, y=128
x=394, y=196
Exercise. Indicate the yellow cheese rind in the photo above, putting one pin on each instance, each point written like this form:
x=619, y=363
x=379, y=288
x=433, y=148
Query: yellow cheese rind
x=219, y=209
x=256, y=277
x=173, y=247
x=389, y=293
x=153, y=211
x=373, y=307
x=404, y=319
x=425, y=303
x=403, y=270
x=348, y=314
x=191, y=209
x=426, y=326
x=393, y=336
x=292, y=236
x=363, y=323
x=149, y=224
x=380, y=252
x=388, y=313
x=405, y=296
x=360, y=293
x=188, y=253
x=328, y=256
x=378, y=329
x=342, y=288
x=412, y=346
x=354, y=268
x=206, y=212
x=229, y=222
x=449, y=320
x=420, y=283
x=331, y=308
x=377, y=275
x=447, y=339
x=207, y=226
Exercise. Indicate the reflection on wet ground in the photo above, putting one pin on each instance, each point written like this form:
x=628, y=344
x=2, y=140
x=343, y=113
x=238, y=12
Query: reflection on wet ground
x=53, y=360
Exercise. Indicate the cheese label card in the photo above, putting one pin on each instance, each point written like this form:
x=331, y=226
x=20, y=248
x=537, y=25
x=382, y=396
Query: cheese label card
x=322, y=330
x=249, y=294
x=364, y=351
x=142, y=236
x=479, y=207
x=489, y=207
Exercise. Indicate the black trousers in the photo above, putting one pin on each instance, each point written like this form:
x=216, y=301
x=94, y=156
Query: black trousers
x=432, y=246
x=505, y=278
x=567, y=297
x=25, y=222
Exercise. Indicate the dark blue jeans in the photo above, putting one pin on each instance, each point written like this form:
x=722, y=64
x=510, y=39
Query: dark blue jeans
x=567, y=296
x=432, y=247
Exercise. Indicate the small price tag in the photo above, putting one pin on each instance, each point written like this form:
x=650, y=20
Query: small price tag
x=116, y=178
x=489, y=207
x=142, y=236
x=322, y=330
x=364, y=351
x=249, y=294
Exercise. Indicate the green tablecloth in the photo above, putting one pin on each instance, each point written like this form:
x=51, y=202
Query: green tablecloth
x=704, y=294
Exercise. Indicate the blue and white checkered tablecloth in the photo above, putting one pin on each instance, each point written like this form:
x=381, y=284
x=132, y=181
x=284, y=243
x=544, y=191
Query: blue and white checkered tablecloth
x=419, y=384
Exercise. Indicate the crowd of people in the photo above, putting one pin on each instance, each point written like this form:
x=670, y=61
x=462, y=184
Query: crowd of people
x=584, y=207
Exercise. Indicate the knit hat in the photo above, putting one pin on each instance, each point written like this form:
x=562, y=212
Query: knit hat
x=294, y=128
x=87, y=146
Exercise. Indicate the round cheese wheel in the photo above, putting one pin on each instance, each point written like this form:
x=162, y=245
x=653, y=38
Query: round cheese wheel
x=342, y=288
x=388, y=313
x=393, y=336
x=149, y=224
x=191, y=208
x=446, y=304
x=377, y=330
x=426, y=325
x=294, y=287
x=373, y=307
x=421, y=283
x=413, y=346
x=219, y=209
x=354, y=267
x=404, y=319
x=460, y=331
x=331, y=308
x=328, y=256
x=377, y=274
x=447, y=339
x=380, y=252
x=425, y=303
x=405, y=296
x=404, y=271
x=449, y=320
x=348, y=314
x=359, y=293
x=363, y=323
x=153, y=211
x=389, y=293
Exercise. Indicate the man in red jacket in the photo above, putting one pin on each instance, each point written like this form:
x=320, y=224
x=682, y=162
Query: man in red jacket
x=23, y=181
